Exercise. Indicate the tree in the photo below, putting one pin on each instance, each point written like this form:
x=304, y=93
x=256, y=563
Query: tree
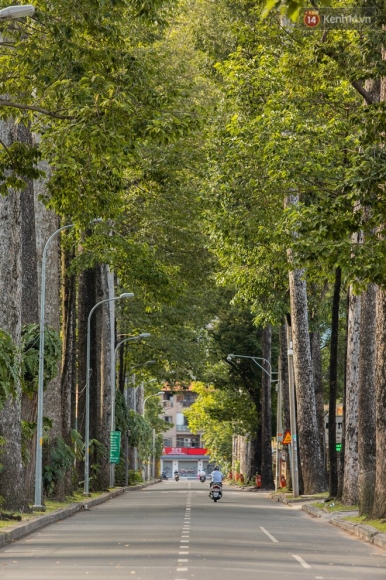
x=220, y=415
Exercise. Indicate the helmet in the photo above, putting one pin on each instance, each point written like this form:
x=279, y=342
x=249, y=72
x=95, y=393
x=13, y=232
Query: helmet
x=216, y=468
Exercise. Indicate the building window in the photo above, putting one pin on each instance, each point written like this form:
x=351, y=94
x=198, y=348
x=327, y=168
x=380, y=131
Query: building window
x=188, y=442
x=168, y=442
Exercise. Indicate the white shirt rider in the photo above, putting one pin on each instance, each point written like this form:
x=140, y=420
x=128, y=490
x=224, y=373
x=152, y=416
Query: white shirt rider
x=217, y=476
x=201, y=473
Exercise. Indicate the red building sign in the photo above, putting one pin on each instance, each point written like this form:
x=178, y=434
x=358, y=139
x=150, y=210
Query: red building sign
x=184, y=451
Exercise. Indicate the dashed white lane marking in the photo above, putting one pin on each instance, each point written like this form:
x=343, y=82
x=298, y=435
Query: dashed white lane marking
x=269, y=535
x=182, y=560
x=187, y=541
x=182, y=569
x=183, y=553
x=301, y=561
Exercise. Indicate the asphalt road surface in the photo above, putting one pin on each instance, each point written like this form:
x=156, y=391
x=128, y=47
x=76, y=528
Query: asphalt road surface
x=173, y=531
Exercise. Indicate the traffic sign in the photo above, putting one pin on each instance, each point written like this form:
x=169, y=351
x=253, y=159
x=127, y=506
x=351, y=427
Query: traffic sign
x=115, y=446
x=287, y=439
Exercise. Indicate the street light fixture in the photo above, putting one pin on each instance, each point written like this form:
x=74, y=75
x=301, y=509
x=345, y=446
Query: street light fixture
x=88, y=370
x=143, y=414
x=149, y=362
x=255, y=359
x=39, y=428
x=141, y=336
x=15, y=12
x=148, y=397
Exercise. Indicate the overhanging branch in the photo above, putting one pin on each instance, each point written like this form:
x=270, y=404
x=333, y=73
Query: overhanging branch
x=6, y=103
x=362, y=91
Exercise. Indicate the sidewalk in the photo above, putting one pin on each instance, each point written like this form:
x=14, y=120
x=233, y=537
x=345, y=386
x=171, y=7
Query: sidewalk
x=40, y=521
x=362, y=531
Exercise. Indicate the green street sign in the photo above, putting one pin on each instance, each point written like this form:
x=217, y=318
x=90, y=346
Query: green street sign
x=338, y=447
x=115, y=446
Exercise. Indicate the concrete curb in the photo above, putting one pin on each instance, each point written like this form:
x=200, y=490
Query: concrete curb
x=23, y=529
x=312, y=511
x=364, y=532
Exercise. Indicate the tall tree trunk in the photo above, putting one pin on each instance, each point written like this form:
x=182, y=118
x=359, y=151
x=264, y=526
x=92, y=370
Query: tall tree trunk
x=29, y=299
x=283, y=377
x=379, y=506
x=366, y=403
x=68, y=370
x=350, y=482
x=29, y=269
x=266, y=412
x=311, y=458
x=86, y=301
x=47, y=222
x=318, y=384
x=12, y=474
x=333, y=386
x=104, y=344
x=342, y=453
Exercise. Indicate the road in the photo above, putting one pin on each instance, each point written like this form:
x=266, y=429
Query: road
x=173, y=531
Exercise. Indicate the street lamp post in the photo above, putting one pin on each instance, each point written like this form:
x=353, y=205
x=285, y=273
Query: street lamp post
x=113, y=391
x=39, y=428
x=293, y=454
x=87, y=418
x=149, y=362
x=143, y=414
x=255, y=359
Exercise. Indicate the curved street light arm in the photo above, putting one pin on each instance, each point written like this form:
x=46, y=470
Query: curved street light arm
x=86, y=491
x=255, y=359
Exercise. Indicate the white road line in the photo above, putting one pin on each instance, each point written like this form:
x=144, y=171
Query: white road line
x=186, y=541
x=182, y=560
x=269, y=535
x=301, y=561
x=182, y=569
x=183, y=553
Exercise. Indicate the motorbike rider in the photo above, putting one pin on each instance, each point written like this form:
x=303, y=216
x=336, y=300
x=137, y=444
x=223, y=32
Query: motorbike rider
x=217, y=476
x=201, y=473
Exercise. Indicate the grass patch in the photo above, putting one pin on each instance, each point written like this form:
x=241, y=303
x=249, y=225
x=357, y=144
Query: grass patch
x=335, y=506
x=380, y=525
x=51, y=506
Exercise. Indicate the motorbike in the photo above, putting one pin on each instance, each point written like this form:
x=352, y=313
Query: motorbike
x=176, y=477
x=203, y=478
x=163, y=475
x=215, y=491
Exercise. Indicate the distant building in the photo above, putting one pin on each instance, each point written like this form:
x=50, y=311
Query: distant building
x=183, y=451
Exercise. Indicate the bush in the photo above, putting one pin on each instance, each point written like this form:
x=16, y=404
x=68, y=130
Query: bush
x=135, y=477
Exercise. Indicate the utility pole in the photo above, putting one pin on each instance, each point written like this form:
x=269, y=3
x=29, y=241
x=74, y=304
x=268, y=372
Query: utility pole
x=294, y=437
